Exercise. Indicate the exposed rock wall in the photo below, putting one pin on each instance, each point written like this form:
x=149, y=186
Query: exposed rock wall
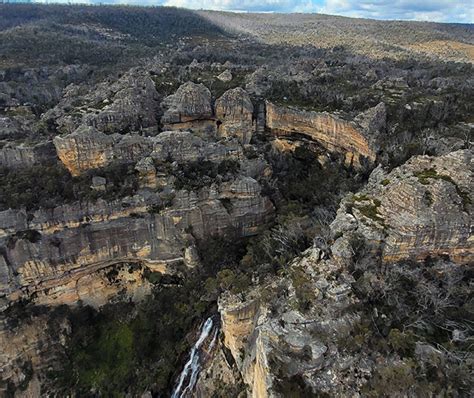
x=87, y=148
x=330, y=131
x=276, y=337
x=238, y=324
x=69, y=242
x=420, y=209
x=271, y=339
x=234, y=111
x=129, y=104
x=189, y=105
x=17, y=156
x=26, y=346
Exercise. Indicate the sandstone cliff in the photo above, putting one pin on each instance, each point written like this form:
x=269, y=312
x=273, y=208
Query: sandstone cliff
x=130, y=103
x=46, y=255
x=421, y=209
x=272, y=339
x=354, y=141
x=87, y=148
x=98, y=252
x=310, y=330
x=17, y=156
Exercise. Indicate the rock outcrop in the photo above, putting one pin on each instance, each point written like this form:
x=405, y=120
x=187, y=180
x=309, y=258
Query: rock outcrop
x=418, y=210
x=129, y=104
x=87, y=149
x=50, y=253
x=234, y=112
x=17, y=156
x=183, y=146
x=299, y=331
x=225, y=76
x=189, y=107
x=354, y=141
x=47, y=253
x=271, y=338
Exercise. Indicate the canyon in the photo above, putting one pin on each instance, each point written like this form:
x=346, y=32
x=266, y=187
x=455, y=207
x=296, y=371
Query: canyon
x=192, y=207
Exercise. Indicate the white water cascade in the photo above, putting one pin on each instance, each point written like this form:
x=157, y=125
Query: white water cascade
x=188, y=377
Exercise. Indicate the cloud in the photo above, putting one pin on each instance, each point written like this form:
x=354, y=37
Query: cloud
x=240, y=5
x=421, y=10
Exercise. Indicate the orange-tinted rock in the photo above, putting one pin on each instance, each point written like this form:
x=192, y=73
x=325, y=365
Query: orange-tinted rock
x=330, y=131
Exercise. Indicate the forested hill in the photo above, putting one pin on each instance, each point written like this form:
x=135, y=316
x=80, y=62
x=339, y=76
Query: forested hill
x=32, y=33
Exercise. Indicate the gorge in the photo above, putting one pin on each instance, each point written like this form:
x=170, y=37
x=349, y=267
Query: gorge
x=198, y=204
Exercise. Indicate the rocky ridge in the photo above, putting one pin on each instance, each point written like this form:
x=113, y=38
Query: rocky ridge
x=130, y=103
x=300, y=328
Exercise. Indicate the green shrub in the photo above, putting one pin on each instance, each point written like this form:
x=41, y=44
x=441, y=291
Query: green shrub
x=402, y=342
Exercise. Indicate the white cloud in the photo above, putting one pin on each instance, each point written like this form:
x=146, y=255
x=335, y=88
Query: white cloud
x=422, y=10
x=240, y=5
x=63, y=1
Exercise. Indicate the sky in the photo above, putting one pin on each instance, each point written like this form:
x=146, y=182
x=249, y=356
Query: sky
x=461, y=11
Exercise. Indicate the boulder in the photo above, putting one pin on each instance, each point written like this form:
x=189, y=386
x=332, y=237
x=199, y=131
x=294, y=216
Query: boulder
x=87, y=148
x=190, y=102
x=225, y=76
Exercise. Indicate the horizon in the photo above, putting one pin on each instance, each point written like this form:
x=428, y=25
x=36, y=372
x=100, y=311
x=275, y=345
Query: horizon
x=439, y=11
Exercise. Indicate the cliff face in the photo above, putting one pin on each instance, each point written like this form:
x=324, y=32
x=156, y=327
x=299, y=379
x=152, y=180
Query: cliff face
x=16, y=156
x=87, y=148
x=271, y=338
x=190, y=107
x=234, y=111
x=51, y=252
x=308, y=330
x=98, y=252
x=421, y=209
x=30, y=345
x=330, y=131
x=63, y=246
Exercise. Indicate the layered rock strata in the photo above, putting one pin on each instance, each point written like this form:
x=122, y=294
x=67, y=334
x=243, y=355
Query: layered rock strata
x=189, y=107
x=354, y=141
x=418, y=210
x=17, y=156
x=300, y=327
x=269, y=338
x=88, y=149
x=45, y=255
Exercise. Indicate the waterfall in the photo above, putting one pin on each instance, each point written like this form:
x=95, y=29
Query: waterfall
x=188, y=377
